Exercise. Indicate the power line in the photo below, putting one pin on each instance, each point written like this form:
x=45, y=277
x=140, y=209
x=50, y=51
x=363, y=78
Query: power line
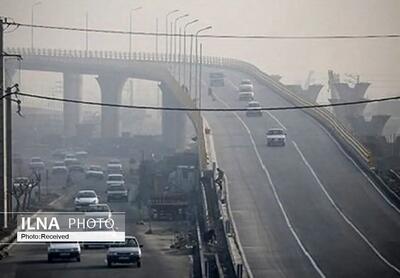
x=186, y=109
x=215, y=36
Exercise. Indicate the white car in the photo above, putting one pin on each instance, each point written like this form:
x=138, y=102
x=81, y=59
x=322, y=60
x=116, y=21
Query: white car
x=84, y=198
x=115, y=168
x=246, y=83
x=59, y=168
x=117, y=192
x=115, y=179
x=127, y=252
x=64, y=250
x=276, y=137
x=36, y=163
x=253, y=109
x=95, y=171
x=246, y=92
x=95, y=211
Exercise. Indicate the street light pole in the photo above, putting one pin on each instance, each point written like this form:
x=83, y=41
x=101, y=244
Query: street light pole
x=197, y=62
x=33, y=6
x=184, y=50
x=166, y=32
x=130, y=29
x=175, y=22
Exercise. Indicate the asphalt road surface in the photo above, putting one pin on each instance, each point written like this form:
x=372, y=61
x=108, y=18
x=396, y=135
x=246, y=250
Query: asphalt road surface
x=305, y=209
x=30, y=260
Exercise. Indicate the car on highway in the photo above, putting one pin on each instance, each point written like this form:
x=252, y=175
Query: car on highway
x=63, y=251
x=59, y=168
x=115, y=179
x=254, y=109
x=246, y=93
x=128, y=252
x=117, y=192
x=246, y=82
x=95, y=171
x=84, y=198
x=276, y=137
x=36, y=163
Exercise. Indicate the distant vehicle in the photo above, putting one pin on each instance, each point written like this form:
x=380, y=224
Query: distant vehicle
x=115, y=179
x=246, y=82
x=114, y=169
x=65, y=250
x=36, y=163
x=246, y=92
x=84, y=198
x=58, y=154
x=71, y=161
x=115, y=161
x=59, y=168
x=70, y=156
x=95, y=171
x=95, y=211
x=276, y=136
x=117, y=192
x=246, y=96
x=127, y=252
x=254, y=109
x=216, y=79
x=81, y=154
x=76, y=167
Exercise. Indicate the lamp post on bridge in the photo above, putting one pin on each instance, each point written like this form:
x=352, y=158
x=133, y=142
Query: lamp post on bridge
x=197, y=81
x=130, y=28
x=175, y=34
x=32, y=14
x=184, y=50
x=166, y=32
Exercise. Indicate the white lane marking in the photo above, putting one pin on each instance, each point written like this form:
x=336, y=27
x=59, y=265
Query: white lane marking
x=390, y=203
x=347, y=220
x=213, y=156
x=266, y=111
x=276, y=196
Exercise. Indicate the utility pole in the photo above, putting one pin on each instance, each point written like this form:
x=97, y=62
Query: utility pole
x=3, y=192
x=5, y=141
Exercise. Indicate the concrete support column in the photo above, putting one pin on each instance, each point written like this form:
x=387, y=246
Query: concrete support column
x=173, y=122
x=111, y=86
x=72, y=111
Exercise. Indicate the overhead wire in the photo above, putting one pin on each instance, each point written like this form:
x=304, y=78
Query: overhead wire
x=189, y=109
x=212, y=36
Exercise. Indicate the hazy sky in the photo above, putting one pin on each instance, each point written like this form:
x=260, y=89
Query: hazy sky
x=375, y=60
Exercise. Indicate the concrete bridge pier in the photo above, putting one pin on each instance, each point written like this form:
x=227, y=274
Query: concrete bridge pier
x=72, y=90
x=111, y=86
x=173, y=123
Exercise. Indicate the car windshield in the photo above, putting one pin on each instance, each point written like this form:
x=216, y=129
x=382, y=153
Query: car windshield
x=115, y=178
x=245, y=82
x=86, y=194
x=59, y=164
x=275, y=132
x=117, y=188
x=246, y=88
x=129, y=242
x=95, y=168
x=36, y=159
